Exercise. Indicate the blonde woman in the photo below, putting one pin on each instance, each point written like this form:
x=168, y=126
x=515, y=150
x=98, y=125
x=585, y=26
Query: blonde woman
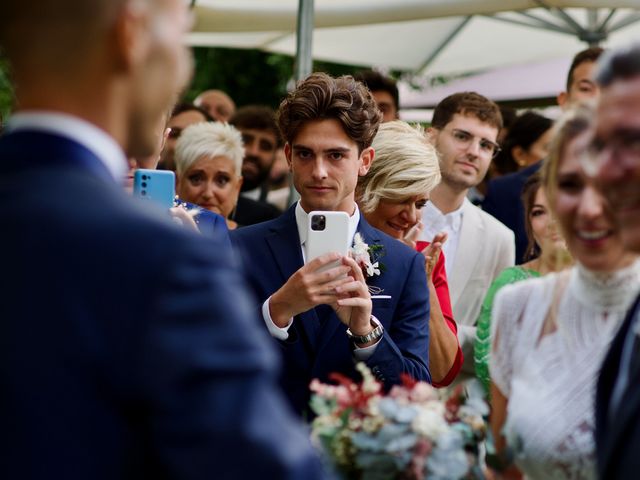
x=551, y=333
x=208, y=167
x=390, y=196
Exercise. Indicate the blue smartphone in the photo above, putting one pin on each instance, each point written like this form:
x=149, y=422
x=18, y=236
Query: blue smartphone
x=157, y=186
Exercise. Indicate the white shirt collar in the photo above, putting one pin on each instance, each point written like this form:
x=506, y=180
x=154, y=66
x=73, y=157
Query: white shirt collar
x=452, y=219
x=302, y=220
x=80, y=131
x=252, y=194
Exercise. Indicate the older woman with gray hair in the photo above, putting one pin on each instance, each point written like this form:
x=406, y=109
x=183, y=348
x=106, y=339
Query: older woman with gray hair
x=390, y=196
x=208, y=167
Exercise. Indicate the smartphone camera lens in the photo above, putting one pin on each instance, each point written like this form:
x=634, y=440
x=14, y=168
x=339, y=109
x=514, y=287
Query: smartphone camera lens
x=144, y=184
x=143, y=193
x=318, y=222
x=144, y=177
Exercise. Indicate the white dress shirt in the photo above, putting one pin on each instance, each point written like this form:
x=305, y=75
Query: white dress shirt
x=282, y=333
x=435, y=221
x=101, y=144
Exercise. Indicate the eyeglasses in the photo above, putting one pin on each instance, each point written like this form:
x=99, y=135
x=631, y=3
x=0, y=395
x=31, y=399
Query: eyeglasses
x=174, y=132
x=624, y=147
x=465, y=139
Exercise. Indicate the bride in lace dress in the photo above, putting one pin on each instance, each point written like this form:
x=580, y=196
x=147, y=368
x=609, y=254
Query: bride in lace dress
x=550, y=334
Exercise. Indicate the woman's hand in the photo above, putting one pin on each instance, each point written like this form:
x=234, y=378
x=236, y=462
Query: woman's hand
x=432, y=252
x=184, y=217
x=411, y=236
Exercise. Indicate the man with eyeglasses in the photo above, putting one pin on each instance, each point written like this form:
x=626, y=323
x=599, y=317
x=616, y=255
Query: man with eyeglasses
x=464, y=131
x=615, y=161
x=182, y=116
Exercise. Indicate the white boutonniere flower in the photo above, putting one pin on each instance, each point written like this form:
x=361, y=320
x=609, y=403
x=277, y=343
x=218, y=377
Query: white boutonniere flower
x=363, y=254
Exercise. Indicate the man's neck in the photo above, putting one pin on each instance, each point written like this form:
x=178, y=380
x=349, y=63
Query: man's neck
x=446, y=199
x=81, y=102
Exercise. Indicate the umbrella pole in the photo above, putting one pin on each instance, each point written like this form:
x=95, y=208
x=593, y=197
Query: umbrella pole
x=304, y=60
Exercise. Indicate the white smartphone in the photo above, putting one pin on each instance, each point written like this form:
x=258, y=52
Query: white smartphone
x=327, y=232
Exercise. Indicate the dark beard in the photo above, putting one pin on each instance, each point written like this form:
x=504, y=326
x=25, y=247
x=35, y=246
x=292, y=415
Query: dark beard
x=254, y=181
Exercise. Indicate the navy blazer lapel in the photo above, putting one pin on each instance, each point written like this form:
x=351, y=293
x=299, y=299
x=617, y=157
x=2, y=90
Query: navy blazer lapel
x=630, y=401
x=284, y=242
x=370, y=236
x=37, y=149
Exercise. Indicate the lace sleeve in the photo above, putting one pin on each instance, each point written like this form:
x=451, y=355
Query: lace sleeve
x=506, y=328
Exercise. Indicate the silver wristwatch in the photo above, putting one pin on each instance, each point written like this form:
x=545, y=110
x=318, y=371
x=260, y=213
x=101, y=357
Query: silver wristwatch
x=374, y=334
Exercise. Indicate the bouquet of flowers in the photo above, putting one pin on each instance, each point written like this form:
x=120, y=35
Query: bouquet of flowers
x=410, y=433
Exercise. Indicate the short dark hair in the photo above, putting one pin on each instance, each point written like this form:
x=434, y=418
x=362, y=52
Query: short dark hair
x=619, y=64
x=466, y=103
x=256, y=117
x=529, y=191
x=589, y=55
x=375, y=82
x=190, y=107
x=322, y=97
x=524, y=132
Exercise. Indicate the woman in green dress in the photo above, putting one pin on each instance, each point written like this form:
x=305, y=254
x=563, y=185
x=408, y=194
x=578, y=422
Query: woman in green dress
x=548, y=253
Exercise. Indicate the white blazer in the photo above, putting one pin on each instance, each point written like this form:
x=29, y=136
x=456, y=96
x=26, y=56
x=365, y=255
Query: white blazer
x=485, y=248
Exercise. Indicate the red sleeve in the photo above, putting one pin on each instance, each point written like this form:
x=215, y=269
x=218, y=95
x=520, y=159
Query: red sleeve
x=439, y=277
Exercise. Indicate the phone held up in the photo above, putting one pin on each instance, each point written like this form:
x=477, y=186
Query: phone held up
x=156, y=186
x=327, y=232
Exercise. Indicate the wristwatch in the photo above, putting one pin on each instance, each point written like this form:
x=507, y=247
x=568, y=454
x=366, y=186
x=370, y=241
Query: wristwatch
x=374, y=334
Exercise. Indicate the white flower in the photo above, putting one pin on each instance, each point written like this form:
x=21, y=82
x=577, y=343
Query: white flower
x=430, y=421
x=360, y=253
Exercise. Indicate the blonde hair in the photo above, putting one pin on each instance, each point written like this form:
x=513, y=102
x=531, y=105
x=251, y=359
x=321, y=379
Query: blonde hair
x=405, y=165
x=209, y=139
x=570, y=125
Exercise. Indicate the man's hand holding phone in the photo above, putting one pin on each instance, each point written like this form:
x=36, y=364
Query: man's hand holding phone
x=313, y=284
x=353, y=305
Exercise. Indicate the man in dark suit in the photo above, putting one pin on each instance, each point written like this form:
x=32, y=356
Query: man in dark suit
x=126, y=347
x=615, y=160
x=503, y=193
x=325, y=321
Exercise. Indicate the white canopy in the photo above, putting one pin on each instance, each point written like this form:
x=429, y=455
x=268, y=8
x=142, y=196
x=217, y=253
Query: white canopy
x=432, y=36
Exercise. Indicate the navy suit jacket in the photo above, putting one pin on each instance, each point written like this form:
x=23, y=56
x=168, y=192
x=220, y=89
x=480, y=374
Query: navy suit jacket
x=127, y=346
x=618, y=436
x=503, y=202
x=317, y=343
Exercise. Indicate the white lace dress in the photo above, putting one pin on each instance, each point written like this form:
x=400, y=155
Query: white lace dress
x=550, y=378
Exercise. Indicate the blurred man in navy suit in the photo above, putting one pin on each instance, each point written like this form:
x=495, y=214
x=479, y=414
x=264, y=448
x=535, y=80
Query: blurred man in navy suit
x=126, y=347
x=615, y=161
x=503, y=194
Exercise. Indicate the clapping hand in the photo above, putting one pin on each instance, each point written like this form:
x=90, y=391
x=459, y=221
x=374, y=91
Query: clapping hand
x=432, y=251
x=411, y=236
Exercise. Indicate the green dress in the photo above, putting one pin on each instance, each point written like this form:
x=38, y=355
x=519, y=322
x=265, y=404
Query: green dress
x=483, y=332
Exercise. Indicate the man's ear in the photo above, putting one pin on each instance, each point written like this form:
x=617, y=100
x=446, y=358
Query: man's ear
x=131, y=36
x=562, y=99
x=431, y=135
x=366, y=159
x=287, y=154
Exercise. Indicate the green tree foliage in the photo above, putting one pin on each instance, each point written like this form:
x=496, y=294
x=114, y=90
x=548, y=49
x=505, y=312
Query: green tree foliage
x=249, y=76
x=6, y=92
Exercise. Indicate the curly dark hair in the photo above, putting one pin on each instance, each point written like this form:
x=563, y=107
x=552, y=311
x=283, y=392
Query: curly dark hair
x=322, y=97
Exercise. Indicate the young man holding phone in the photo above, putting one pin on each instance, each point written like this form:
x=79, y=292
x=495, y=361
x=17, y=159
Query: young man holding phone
x=325, y=320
